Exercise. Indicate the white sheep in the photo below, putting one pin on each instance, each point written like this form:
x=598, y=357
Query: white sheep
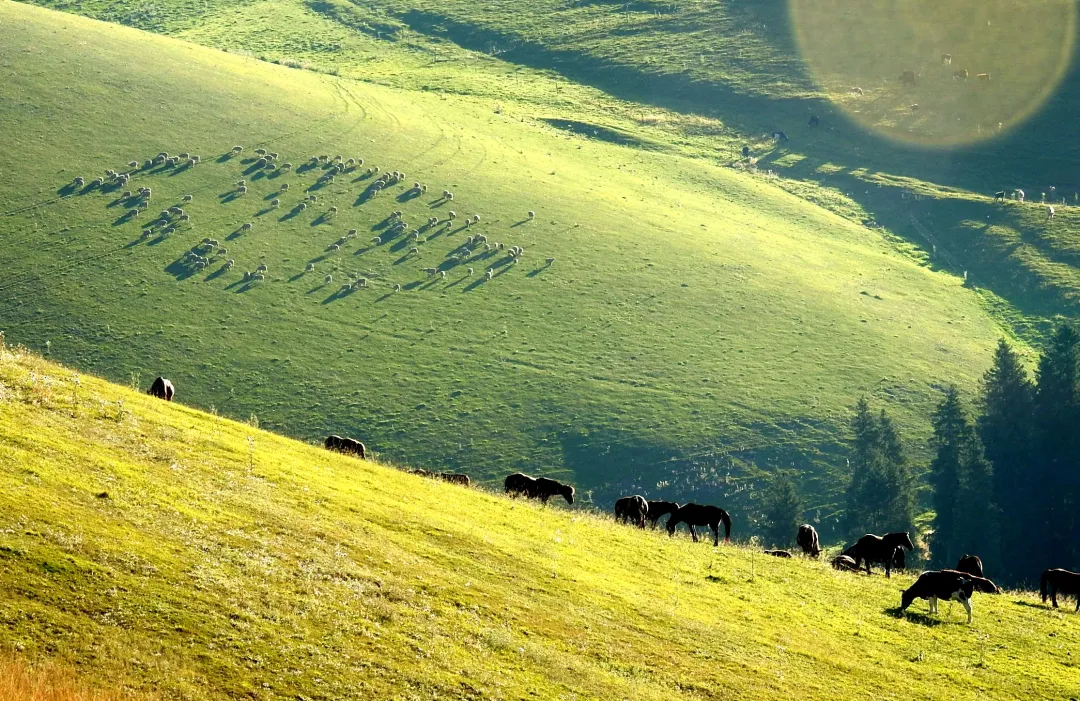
x=1050, y=212
x=532, y=215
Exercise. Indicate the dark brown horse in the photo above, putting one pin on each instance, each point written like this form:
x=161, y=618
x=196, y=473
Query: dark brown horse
x=660, y=508
x=873, y=549
x=634, y=508
x=455, y=478
x=519, y=484
x=701, y=515
x=348, y=446
x=162, y=389
x=808, y=540
x=1058, y=581
x=547, y=488
x=971, y=564
x=942, y=584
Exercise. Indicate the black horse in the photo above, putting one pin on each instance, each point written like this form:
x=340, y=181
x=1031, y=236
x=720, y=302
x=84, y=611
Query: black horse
x=660, y=508
x=808, y=540
x=877, y=549
x=162, y=389
x=971, y=564
x=981, y=584
x=634, y=508
x=348, y=446
x=519, y=484
x=701, y=515
x=844, y=563
x=540, y=488
x=1058, y=581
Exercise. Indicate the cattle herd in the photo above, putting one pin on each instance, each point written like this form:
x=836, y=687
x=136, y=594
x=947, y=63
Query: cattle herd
x=888, y=551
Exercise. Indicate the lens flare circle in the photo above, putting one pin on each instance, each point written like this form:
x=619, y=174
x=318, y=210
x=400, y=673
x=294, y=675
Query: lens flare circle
x=937, y=73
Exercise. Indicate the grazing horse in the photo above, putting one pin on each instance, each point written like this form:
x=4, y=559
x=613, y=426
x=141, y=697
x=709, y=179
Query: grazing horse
x=701, y=515
x=844, y=563
x=942, y=584
x=547, y=488
x=972, y=565
x=814, y=121
x=808, y=540
x=455, y=478
x=660, y=508
x=519, y=484
x=162, y=389
x=1058, y=581
x=634, y=507
x=873, y=549
x=778, y=553
x=999, y=196
x=349, y=446
x=907, y=78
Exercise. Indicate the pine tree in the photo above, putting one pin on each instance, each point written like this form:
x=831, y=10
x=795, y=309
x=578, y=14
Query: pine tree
x=881, y=494
x=1007, y=431
x=965, y=516
x=1057, y=420
x=782, y=511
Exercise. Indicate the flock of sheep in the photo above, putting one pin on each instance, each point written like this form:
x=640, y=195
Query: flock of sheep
x=475, y=248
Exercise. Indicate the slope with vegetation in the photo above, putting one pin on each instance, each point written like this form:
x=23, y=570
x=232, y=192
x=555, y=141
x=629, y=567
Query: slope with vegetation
x=155, y=547
x=696, y=324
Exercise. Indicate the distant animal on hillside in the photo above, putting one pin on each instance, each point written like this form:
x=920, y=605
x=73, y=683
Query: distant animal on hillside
x=1059, y=581
x=162, y=389
x=873, y=549
x=985, y=77
x=981, y=584
x=634, y=508
x=349, y=446
x=1050, y=212
x=808, y=540
x=814, y=121
x=746, y=152
x=946, y=59
x=701, y=515
x=778, y=553
x=943, y=584
x=907, y=78
x=999, y=196
x=961, y=74
x=779, y=136
x=844, y=563
x=971, y=564
x=455, y=478
x=660, y=508
x=541, y=488
x=547, y=488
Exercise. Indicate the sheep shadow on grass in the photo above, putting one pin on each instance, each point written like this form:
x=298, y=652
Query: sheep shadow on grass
x=264, y=211
x=340, y=293
x=323, y=218
x=180, y=270
x=534, y=273
x=217, y=273
x=361, y=251
x=291, y=214
x=409, y=195
x=228, y=197
x=234, y=235
x=69, y=189
x=523, y=222
x=124, y=218
x=473, y=285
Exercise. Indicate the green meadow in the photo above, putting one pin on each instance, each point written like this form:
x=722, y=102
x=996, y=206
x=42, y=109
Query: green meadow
x=157, y=548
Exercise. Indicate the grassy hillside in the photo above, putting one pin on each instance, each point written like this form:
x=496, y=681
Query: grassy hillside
x=695, y=320
x=707, y=76
x=155, y=547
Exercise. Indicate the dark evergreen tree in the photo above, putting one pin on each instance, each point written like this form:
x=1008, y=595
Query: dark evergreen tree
x=1057, y=420
x=1007, y=431
x=782, y=511
x=964, y=514
x=881, y=494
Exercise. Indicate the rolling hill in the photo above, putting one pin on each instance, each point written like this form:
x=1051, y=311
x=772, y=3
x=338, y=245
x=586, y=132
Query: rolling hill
x=157, y=548
x=697, y=327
